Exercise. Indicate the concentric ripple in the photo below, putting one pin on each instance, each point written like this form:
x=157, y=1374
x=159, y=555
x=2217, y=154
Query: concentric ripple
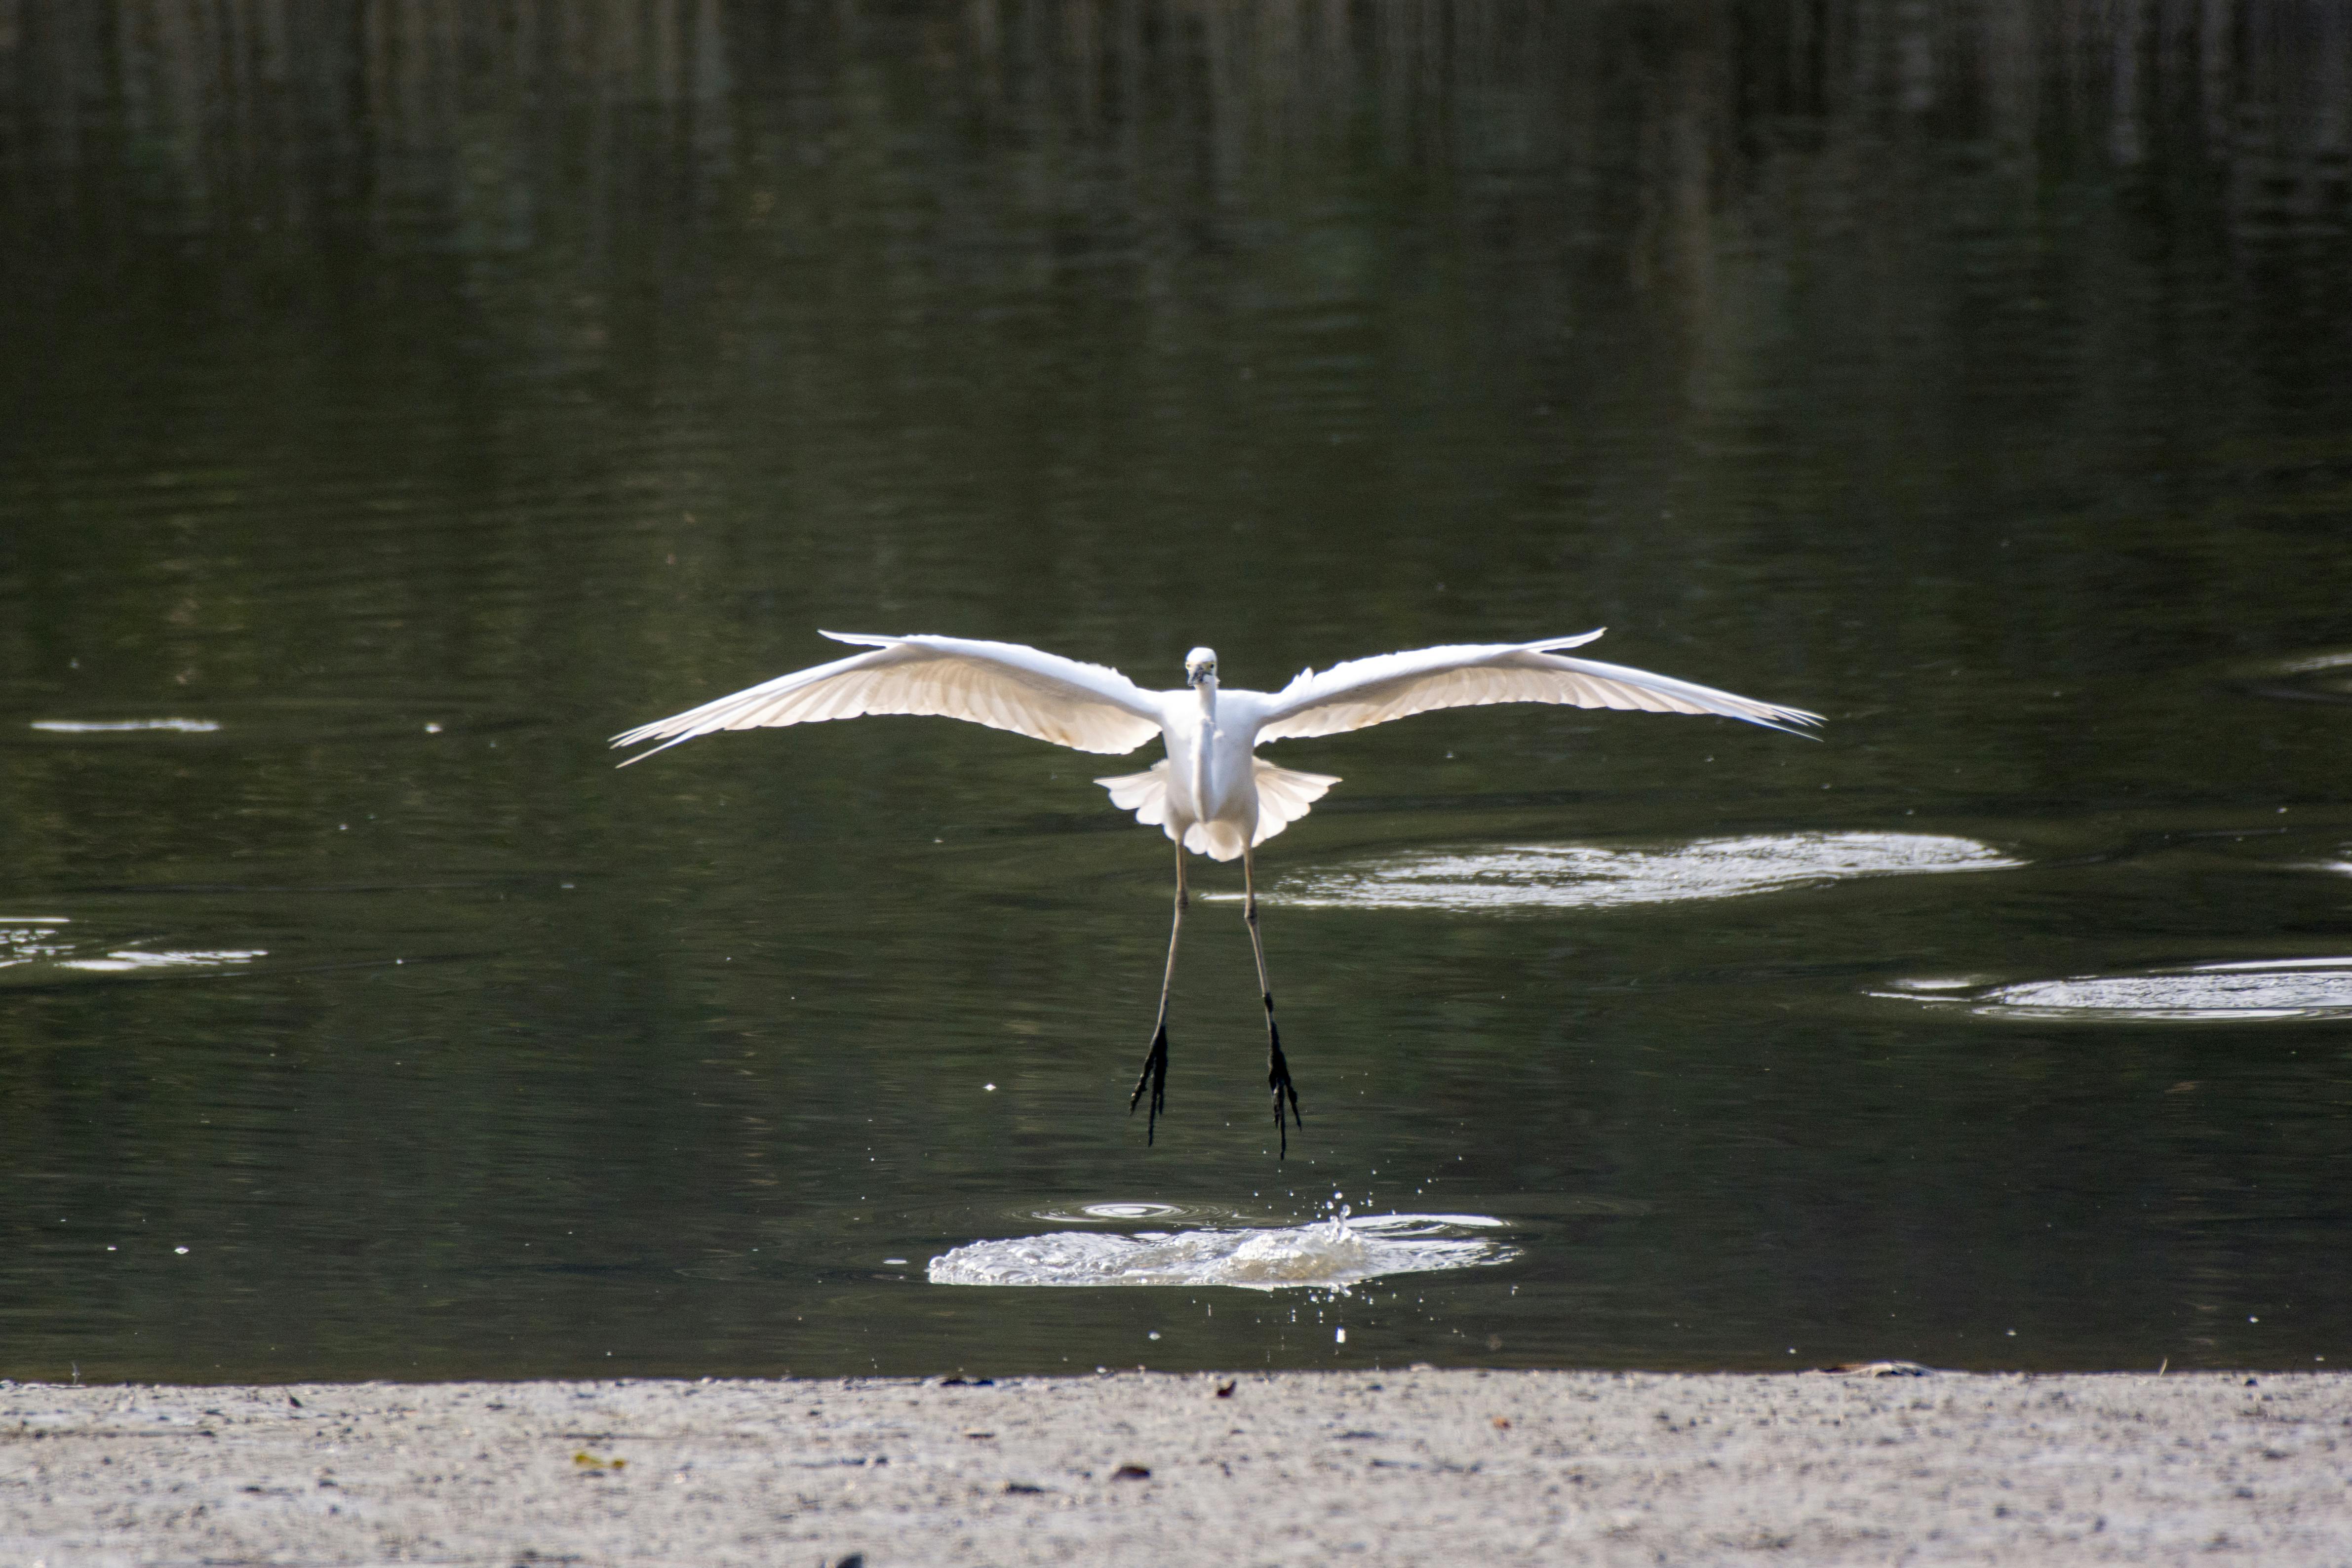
x=2259, y=991
x=1130, y=1212
x=1331, y=1255
x=1573, y=876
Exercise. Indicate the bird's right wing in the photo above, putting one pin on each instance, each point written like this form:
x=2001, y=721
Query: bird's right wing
x=1394, y=685
x=1004, y=686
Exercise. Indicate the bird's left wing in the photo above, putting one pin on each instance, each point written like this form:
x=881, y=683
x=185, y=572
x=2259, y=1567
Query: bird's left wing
x=1374, y=691
x=1004, y=686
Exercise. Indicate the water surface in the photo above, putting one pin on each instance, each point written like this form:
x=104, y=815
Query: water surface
x=397, y=408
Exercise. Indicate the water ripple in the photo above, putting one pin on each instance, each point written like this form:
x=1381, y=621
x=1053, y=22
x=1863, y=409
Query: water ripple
x=38, y=948
x=256, y=721
x=1581, y=876
x=1330, y=1255
x=125, y=726
x=2261, y=989
x=2317, y=678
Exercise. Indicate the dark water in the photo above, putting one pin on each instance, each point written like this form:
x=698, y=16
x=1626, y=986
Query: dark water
x=401, y=400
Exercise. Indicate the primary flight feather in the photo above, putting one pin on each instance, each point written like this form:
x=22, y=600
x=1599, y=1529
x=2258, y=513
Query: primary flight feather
x=1212, y=794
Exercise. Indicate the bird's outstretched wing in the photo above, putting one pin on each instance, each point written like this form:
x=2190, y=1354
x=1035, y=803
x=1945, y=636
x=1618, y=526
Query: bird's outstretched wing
x=1004, y=686
x=1374, y=691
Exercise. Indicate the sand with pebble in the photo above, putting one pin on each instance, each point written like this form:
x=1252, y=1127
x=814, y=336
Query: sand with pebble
x=1410, y=1467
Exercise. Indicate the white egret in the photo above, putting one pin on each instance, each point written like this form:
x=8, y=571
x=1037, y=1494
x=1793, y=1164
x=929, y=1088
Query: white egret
x=1212, y=794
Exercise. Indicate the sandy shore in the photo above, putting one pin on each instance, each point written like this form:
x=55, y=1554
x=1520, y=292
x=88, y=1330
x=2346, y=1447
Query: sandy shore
x=1416, y=1468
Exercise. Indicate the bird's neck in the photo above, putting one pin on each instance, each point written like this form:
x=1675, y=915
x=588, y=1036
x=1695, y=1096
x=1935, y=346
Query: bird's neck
x=1203, y=742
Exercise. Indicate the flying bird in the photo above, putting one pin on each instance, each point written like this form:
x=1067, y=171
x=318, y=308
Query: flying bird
x=1212, y=793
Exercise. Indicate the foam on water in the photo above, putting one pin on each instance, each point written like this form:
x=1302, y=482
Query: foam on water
x=1568, y=875
x=2256, y=991
x=1330, y=1255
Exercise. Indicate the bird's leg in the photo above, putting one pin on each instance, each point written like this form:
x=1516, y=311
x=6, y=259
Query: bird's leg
x=1277, y=1074
x=1155, y=1061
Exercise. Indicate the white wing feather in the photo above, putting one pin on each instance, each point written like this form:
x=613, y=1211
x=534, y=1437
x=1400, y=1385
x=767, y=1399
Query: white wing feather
x=1086, y=707
x=1393, y=686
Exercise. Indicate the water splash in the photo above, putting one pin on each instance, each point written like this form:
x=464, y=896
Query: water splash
x=1330, y=1254
x=1569, y=875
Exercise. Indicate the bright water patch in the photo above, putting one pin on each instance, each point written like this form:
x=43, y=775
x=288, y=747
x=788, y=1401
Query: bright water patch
x=1164, y=1214
x=254, y=721
x=1583, y=876
x=1330, y=1254
x=33, y=939
x=2263, y=990
x=34, y=948
x=125, y=726
x=140, y=960
x=2315, y=678
x=2319, y=663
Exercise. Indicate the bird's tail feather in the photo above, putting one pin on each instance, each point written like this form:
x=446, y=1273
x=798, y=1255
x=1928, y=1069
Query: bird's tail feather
x=1286, y=794
x=1144, y=794
x=1283, y=795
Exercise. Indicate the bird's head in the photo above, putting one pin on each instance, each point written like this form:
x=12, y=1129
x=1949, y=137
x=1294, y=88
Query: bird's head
x=1201, y=665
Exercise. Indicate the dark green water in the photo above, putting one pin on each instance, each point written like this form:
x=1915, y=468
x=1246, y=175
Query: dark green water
x=404, y=400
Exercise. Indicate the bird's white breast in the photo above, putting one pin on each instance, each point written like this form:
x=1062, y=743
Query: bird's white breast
x=1211, y=776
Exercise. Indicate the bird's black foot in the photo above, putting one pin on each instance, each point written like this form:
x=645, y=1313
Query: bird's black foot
x=1154, y=1077
x=1277, y=1079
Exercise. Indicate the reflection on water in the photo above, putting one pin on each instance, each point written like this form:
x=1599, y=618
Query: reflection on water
x=1331, y=1255
x=282, y=720
x=2257, y=991
x=214, y=925
x=1113, y=1213
x=122, y=726
x=32, y=939
x=2315, y=678
x=37, y=949
x=139, y=961
x=1574, y=876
